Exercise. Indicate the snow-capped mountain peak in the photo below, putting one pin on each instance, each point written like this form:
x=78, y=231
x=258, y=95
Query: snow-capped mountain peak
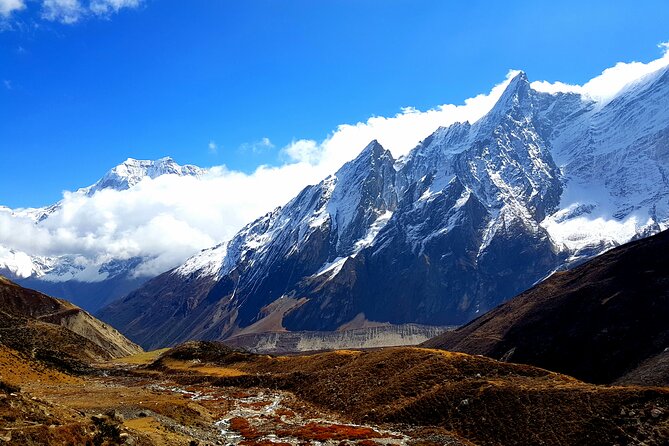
x=516, y=94
x=132, y=171
x=89, y=279
x=365, y=189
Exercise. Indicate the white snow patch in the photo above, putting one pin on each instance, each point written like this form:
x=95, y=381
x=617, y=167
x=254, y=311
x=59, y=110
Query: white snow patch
x=584, y=232
x=332, y=268
x=206, y=263
x=373, y=231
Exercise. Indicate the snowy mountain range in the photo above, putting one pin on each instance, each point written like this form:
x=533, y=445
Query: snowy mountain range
x=87, y=281
x=473, y=215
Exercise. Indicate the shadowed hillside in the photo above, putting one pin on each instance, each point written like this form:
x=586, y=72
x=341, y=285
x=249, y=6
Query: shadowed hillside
x=597, y=322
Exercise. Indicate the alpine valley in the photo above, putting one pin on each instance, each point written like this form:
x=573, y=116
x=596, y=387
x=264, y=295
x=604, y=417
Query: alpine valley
x=264, y=223
x=475, y=214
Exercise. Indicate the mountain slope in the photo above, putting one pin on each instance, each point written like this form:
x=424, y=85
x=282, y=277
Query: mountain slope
x=474, y=215
x=597, y=322
x=324, y=223
x=41, y=325
x=467, y=195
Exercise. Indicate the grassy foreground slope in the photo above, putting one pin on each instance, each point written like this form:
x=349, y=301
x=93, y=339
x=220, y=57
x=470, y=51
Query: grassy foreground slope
x=476, y=398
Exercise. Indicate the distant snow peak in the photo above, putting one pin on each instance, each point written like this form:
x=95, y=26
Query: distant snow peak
x=17, y=264
x=77, y=267
x=132, y=171
x=20, y=265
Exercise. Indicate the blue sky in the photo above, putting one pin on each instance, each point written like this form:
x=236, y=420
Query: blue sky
x=168, y=77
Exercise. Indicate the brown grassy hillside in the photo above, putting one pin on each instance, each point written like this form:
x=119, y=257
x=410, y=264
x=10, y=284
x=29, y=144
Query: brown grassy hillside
x=480, y=399
x=44, y=326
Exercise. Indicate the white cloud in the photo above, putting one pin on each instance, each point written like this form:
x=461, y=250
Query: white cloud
x=612, y=80
x=64, y=11
x=213, y=147
x=258, y=146
x=305, y=150
x=68, y=11
x=7, y=7
x=72, y=11
x=170, y=218
x=104, y=7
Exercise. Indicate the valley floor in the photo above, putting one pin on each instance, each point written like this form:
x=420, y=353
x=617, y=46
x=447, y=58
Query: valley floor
x=163, y=412
x=204, y=393
x=128, y=404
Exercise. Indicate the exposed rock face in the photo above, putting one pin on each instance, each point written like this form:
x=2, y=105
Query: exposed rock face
x=474, y=215
x=357, y=338
x=32, y=321
x=603, y=321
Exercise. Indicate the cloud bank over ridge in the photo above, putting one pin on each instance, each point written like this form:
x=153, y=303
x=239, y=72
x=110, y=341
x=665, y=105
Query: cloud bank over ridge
x=169, y=218
x=603, y=87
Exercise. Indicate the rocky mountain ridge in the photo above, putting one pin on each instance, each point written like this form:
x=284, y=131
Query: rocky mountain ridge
x=474, y=215
x=54, y=330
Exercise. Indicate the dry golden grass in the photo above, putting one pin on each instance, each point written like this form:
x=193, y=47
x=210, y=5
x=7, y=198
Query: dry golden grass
x=154, y=432
x=475, y=397
x=142, y=424
x=141, y=358
x=204, y=369
x=16, y=369
x=347, y=352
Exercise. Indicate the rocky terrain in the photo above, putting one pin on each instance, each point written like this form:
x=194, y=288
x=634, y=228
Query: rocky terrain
x=604, y=321
x=472, y=216
x=371, y=337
